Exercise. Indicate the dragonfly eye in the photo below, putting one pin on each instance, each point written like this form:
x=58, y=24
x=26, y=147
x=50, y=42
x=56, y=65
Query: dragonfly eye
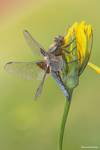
x=59, y=39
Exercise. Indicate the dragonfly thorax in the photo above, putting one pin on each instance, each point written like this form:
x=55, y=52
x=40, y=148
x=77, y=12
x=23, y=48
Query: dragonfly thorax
x=54, y=62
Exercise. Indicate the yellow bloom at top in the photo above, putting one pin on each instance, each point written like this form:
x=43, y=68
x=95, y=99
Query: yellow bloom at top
x=83, y=34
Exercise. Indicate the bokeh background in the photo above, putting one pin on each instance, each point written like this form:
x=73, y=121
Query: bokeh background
x=29, y=125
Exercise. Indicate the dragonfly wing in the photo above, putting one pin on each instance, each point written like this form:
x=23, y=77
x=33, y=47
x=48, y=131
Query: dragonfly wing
x=39, y=90
x=26, y=70
x=37, y=49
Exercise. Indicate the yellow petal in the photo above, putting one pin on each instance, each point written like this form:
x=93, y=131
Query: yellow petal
x=70, y=32
x=93, y=66
x=81, y=40
x=89, y=31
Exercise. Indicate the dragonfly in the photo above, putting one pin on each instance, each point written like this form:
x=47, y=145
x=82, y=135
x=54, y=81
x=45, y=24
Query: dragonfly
x=51, y=62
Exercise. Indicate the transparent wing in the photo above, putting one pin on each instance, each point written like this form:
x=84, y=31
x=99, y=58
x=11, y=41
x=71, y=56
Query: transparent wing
x=26, y=70
x=33, y=44
x=39, y=89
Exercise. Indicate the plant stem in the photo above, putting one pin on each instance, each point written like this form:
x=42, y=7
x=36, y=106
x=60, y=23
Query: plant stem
x=63, y=123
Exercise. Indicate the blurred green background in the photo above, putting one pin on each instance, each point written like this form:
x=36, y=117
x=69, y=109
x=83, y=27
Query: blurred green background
x=29, y=125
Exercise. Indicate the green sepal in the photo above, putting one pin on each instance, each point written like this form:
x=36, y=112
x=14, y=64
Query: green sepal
x=71, y=67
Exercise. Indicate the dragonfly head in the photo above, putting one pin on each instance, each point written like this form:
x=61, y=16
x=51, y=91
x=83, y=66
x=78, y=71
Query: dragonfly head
x=59, y=40
x=55, y=48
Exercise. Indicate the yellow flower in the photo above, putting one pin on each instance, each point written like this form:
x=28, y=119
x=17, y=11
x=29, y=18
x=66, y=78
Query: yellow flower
x=83, y=35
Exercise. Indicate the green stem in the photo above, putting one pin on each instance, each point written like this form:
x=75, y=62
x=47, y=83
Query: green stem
x=63, y=123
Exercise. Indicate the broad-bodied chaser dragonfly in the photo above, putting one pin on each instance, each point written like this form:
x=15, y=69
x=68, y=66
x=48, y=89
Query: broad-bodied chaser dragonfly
x=52, y=62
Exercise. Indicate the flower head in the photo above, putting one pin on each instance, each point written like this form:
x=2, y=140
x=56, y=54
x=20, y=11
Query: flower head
x=76, y=49
x=78, y=44
x=83, y=34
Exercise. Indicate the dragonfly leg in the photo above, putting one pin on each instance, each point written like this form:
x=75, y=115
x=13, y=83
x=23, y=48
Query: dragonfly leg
x=69, y=52
x=70, y=43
